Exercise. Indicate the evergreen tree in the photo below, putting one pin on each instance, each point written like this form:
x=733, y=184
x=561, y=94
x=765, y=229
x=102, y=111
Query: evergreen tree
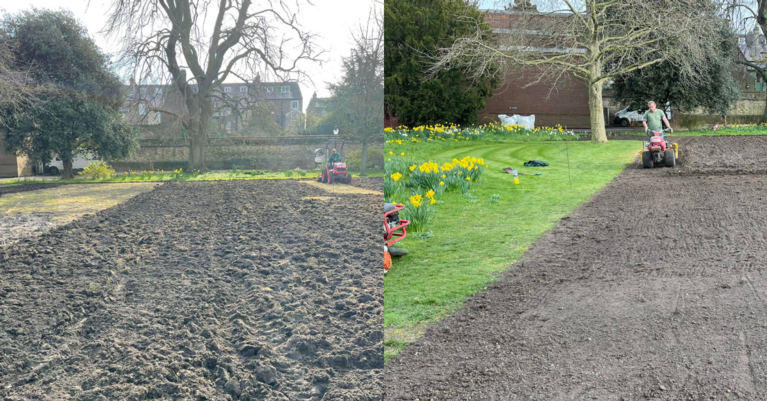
x=414, y=30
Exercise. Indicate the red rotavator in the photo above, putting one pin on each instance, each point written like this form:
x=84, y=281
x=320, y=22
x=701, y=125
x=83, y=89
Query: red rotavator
x=659, y=150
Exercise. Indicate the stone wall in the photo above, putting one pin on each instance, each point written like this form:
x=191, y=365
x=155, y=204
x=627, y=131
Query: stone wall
x=260, y=157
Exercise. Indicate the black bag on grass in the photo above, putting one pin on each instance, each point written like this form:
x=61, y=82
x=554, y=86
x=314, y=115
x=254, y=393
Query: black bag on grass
x=536, y=163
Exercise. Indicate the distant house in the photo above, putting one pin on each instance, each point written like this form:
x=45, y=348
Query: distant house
x=239, y=109
x=12, y=165
x=753, y=49
x=317, y=107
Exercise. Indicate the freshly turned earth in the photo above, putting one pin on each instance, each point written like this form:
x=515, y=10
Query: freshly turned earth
x=230, y=290
x=655, y=289
x=371, y=183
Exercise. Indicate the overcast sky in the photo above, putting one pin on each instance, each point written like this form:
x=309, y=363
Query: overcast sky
x=332, y=20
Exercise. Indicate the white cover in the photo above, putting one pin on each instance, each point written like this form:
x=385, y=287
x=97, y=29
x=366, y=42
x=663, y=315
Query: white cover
x=528, y=122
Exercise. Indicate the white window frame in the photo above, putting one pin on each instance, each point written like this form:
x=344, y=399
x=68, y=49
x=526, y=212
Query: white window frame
x=141, y=109
x=285, y=89
x=227, y=89
x=243, y=89
x=292, y=102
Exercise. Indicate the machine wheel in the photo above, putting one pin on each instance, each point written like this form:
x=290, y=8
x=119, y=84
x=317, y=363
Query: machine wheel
x=319, y=178
x=647, y=160
x=348, y=179
x=670, y=158
x=625, y=122
x=54, y=170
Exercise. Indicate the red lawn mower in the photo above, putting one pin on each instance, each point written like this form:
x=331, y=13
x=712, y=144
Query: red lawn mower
x=658, y=150
x=332, y=172
x=394, y=231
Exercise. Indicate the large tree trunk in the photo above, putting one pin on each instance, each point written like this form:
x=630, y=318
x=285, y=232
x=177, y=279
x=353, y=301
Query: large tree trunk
x=198, y=137
x=598, y=133
x=197, y=153
x=364, y=168
x=67, y=173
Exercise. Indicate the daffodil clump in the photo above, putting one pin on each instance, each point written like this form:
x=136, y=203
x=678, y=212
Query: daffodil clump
x=420, y=211
x=456, y=133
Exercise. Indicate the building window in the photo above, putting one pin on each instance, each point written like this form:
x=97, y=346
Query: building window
x=294, y=105
x=285, y=89
x=270, y=89
x=227, y=89
x=215, y=103
x=742, y=41
x=141, y=109
x=158, y=91
x=228, y=111
x=243, y=89
x=142, y=91
x=159, y=118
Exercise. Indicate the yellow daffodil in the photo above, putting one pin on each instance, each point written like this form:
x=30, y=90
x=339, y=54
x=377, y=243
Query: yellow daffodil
x=430, y=194
x=396, y=176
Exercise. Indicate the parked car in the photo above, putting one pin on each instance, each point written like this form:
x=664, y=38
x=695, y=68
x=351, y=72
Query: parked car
x=79, y=163
x=635, y=113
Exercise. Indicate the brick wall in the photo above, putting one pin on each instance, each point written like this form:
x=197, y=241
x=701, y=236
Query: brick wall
x=567, y=104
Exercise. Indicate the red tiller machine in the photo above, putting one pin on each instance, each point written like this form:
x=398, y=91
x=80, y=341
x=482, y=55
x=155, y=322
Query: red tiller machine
x=394, y=231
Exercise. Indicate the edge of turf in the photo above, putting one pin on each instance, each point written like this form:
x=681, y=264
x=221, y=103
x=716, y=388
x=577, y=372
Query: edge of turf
x=119, y=180
x=394, y=347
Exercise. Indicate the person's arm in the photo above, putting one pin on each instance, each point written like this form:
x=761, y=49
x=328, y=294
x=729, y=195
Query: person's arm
x=667, y=124
x=644, y=121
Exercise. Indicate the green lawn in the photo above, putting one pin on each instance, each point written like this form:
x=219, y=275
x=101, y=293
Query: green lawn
x=210, y=176
x=474, y=238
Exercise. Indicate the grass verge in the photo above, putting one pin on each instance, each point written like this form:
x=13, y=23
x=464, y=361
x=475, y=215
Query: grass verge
x=478, y=234
x=170, y=176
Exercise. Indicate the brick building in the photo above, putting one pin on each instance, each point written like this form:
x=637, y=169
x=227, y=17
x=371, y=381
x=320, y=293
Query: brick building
x=566, y=103
x=12, y=165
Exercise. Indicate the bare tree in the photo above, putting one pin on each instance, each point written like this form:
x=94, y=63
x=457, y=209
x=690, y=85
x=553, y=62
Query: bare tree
x=197, y=44
x=594, y=41
x=749, y=18
x=18, y=89
x=358, y=100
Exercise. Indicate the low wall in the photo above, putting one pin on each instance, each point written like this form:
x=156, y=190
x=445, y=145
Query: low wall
x=287, y=155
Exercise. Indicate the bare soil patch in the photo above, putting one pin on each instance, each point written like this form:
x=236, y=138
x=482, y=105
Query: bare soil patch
x=14, y=189
x=371, y=183
x=230, y=290
x=28, y=213
x=654, y=289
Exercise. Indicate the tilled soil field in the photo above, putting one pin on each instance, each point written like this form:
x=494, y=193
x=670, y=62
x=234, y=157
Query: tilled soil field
x=371, y=183
x=236, y=290
x=655, y=289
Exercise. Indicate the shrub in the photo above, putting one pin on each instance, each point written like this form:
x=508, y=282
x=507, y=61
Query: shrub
x=375, y=159
x=98, y=169
x=288, y=174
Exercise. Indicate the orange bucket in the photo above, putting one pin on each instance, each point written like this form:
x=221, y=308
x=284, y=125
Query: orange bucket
x=387, y=261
